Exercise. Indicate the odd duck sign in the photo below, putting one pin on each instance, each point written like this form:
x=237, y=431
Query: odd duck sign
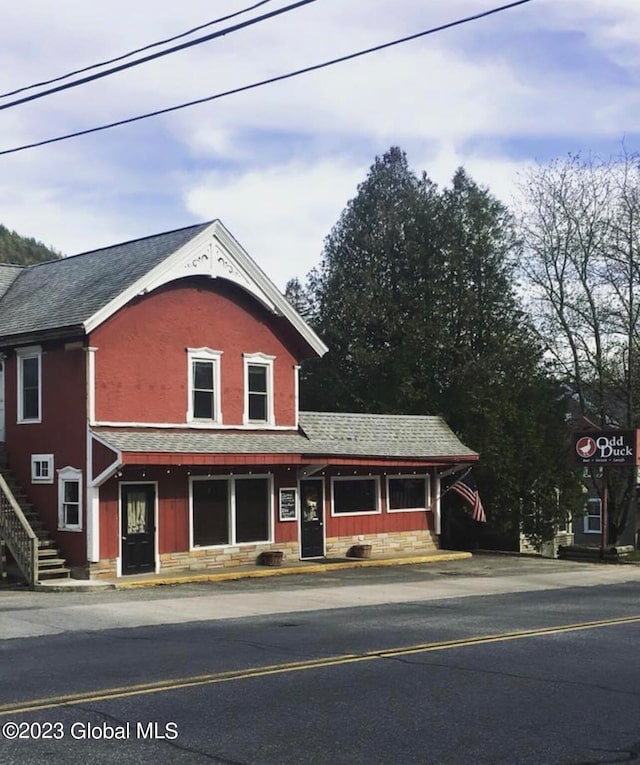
x=607, y=447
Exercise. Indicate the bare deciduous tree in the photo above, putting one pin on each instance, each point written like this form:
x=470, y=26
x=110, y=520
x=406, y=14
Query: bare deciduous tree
x=580, y=262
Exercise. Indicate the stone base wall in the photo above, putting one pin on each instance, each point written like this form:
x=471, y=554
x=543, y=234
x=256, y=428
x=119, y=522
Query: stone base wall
x=103, y=569
x=227, y=557
x=385, y=543
x=547, y=549
x=390, y=543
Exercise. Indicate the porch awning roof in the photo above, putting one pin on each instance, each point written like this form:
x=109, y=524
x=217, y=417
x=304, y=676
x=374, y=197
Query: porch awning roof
x=321, y=434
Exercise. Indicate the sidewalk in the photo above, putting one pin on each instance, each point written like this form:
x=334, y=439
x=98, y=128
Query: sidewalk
x=188, y=576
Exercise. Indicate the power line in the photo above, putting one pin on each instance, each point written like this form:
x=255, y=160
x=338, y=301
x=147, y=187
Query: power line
x=152, y=56
x=270, y=80
x=135, y=52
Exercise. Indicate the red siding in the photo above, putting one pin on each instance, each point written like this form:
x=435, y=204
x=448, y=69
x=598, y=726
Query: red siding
x=380, y=523
x=62, y=433
x=284, y=531
x=109, y=530
x=173, y=508
x=141, y=362
x=102, y=457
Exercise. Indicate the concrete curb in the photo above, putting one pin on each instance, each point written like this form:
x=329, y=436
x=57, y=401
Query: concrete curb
x=310, y=568
x=94, y=585
x=74, y=585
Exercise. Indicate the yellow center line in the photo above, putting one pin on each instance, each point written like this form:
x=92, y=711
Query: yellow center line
x=142, y=689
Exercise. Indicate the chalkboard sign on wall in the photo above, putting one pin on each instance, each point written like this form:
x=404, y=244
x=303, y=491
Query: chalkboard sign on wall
x=288, y=504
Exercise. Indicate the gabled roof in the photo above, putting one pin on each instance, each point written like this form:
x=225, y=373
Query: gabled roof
x=321, y=434
x=77, y=294
x=67, y=292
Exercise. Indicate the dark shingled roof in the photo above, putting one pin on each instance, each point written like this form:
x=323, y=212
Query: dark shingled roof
x=8, y=274
x=67, y=292
x=322, y=434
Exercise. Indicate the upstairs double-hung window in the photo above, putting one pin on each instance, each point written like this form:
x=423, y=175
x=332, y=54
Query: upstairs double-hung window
x=204, y=385
x=258, y=377
x=29, y=384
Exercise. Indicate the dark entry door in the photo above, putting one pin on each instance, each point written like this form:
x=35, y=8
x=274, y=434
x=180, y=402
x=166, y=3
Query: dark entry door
x=138, y=528
x=312, y=518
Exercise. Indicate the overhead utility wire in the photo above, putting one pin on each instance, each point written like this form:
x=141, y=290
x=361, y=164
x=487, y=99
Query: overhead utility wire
x=135, y=52
x=278, y=78
x=160, y=54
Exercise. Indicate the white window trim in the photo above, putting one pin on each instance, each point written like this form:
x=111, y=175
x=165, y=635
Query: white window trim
x=593, y=501
x=568, y=525
x=259, y=359
x=231, y=480
x=22, y=354
x=410, y=477
x=44, y=459
x=375, y=478
x=205, y=354
x=69, y=474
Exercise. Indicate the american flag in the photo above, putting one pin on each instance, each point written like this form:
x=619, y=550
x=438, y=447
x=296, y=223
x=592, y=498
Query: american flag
x=467, y=489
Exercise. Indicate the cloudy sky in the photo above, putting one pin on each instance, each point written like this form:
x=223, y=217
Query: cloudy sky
x=278, y=164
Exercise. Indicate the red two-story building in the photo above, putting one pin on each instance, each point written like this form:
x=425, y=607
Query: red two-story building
x=149, y=413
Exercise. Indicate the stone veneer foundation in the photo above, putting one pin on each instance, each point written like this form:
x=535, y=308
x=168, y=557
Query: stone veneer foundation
x=383, y=544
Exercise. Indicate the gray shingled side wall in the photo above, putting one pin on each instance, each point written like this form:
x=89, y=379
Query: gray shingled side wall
x=8, y=274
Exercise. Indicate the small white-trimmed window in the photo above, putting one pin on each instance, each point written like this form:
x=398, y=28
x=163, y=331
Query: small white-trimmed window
x=406, y=493
x=42, y=468
x=205, y=403
x=359, y=495
x=70, y=499
x=593, y=516
x=258, y=389
x=29, y=363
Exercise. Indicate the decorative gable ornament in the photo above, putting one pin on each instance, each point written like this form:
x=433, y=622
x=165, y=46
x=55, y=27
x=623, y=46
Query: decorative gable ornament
x=214, y=254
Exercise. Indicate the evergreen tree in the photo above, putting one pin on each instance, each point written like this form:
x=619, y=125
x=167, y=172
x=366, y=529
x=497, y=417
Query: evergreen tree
x=414, y=297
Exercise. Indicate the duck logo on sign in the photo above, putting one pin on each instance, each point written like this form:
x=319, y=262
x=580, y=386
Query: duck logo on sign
x=613, y=447
x=586, y=447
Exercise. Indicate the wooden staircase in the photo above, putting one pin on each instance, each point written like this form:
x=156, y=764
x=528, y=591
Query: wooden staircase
x=50, y=564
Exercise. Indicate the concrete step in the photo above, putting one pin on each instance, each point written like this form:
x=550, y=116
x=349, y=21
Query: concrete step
x=47, y=553
x=48, y=564
x=55, y=573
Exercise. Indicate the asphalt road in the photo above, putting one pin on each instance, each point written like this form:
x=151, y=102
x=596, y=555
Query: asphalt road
x=545, y=674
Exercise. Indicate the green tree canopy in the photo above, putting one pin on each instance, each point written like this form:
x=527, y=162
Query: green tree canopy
x=414, y=297
x=21, y=250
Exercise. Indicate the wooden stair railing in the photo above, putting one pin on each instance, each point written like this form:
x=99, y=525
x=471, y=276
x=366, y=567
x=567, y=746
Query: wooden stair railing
x=18, y=535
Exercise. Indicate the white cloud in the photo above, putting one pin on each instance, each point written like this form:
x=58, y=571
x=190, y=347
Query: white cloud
x=278, y=164
x=281, y=215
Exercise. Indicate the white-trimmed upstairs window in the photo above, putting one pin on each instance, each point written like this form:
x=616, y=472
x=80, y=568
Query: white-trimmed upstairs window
x=70, y=499
x=406, y=493
x=258, y=389
x=29, y=362
x=42, y=468
x=593, y=516
x=205, y=403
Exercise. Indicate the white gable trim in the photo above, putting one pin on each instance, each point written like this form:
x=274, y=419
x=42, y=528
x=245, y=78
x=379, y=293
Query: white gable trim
x=216, y=254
